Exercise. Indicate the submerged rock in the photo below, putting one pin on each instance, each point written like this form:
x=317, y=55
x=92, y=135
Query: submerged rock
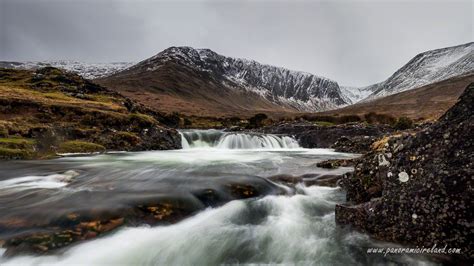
x=420, y=194
x=66, y=227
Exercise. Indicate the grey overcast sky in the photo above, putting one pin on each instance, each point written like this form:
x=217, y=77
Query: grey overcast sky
x=353, y=42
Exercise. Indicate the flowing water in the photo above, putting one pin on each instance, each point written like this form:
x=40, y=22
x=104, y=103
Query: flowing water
x=297, y=228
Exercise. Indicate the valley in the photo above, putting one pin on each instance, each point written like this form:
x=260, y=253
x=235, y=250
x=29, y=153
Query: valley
x=191, y=143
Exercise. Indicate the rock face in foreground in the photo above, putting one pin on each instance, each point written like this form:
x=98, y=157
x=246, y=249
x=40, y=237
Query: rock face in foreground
x=417, y=189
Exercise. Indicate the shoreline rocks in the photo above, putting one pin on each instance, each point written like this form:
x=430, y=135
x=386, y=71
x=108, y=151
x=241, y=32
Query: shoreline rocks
x=417, y=189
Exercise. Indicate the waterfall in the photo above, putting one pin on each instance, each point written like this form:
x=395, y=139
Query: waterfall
x=184, y=141
x=231, y=140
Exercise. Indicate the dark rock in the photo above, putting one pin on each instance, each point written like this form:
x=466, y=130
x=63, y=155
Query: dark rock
x=335, y=163
x=417, y=189
x=326, y=180
x=323, y=180
x=355, y=144
x=286, y=179
x=316, y=136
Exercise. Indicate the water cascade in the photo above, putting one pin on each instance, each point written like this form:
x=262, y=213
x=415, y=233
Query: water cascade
x=232, y=140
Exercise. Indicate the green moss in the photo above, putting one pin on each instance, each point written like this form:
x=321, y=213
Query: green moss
x=76, y=146
x=142, y=120
x=16, y=143
x=324, y=123
x=8, y=154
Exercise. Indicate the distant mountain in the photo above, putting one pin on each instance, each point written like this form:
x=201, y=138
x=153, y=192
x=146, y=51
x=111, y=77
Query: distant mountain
x=426, y=68
x=213, y=82
x=427, y=102
x=202, y=82
x=86, y=70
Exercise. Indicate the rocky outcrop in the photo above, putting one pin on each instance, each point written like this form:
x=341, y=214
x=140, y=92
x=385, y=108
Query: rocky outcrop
x=417, y=189
x=310, y=135
x=55, y=111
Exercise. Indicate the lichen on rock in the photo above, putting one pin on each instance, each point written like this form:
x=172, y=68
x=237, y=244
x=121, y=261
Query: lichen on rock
x=425, y=195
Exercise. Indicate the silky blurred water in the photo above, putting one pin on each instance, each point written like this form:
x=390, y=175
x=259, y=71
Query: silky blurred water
x=296, y=229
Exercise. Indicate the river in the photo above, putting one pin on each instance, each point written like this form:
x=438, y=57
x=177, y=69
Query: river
x=296, y=228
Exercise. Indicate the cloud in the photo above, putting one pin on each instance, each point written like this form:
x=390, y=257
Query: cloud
x=352, y=42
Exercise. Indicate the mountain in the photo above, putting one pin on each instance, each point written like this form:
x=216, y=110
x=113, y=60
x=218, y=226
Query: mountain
x=86, y=70
x=426, y=68
x=200, y=81
x=427, y=102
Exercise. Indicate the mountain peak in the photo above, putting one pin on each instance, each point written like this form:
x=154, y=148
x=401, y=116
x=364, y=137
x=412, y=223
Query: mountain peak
x=296, y=90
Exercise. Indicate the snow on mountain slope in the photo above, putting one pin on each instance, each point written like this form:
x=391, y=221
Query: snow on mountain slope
x=86, y=70
x=353, y=95
x=300, y=90
x=427, y=68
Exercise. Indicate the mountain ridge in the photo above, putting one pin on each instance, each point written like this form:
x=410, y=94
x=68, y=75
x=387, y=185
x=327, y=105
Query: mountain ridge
x=297, y=89
x=215, y=79
x=426, y=68
x=201, y=77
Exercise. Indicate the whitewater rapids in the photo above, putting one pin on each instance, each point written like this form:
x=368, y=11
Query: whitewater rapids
x=293, y=229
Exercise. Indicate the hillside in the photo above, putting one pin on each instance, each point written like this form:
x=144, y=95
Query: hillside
x=202, y=82
x=426, y=68
x=427, y=102
x=50, y=111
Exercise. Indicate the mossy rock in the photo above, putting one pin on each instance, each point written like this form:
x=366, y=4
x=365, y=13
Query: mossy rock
x=142, y=120
x=16, y=143
x=324, y=123
x=76, y=146
x=8, y=154
x=126, y=138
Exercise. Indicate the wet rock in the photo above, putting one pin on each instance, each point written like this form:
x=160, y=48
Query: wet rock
x=335, y=163
x=58, y=230
x=315, y=136
x=422, y=194
x=286, y=179
x=324, y=180
x=355, y=144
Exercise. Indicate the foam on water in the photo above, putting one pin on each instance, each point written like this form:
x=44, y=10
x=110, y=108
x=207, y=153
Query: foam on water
x=275, y=229
x=29, y=182
x=297, y=229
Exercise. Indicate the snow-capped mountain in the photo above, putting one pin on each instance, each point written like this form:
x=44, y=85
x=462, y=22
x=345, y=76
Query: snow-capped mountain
x=87, y=70
x=300, y=90
x=426, y=68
